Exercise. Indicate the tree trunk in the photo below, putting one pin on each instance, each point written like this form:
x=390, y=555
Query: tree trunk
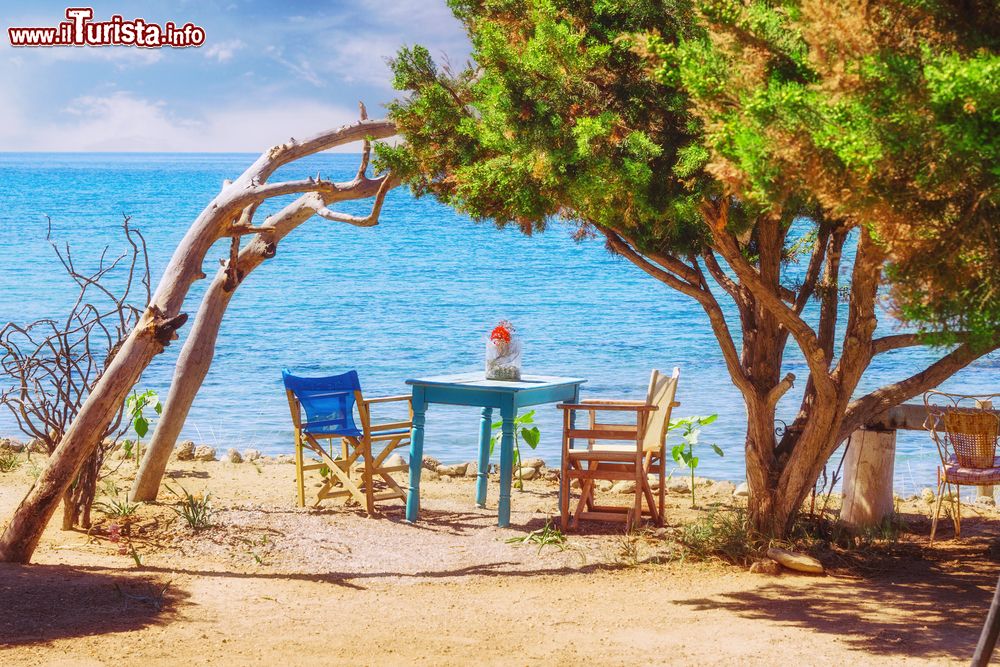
x=69, y=510
x=868, y=469
x=25, y=528
x=199, y=348
x=160, y=321
x=761, y=465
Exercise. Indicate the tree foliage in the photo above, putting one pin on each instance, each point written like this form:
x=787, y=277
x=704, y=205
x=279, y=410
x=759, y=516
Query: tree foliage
x=558, y=117
x=887, y=113
x=712, y=142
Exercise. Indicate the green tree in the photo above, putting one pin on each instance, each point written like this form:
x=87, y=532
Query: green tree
x=708, y=144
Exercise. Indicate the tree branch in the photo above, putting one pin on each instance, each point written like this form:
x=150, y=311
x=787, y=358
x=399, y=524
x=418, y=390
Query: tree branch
x=812, y=271
x=369, y=220
x=864, y=409
x=894, y=342
x=292, y=150
x=716, y=215
x=703, y=296
x=622, y=247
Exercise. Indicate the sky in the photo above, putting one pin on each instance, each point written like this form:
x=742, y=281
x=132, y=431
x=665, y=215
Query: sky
x=268, y=70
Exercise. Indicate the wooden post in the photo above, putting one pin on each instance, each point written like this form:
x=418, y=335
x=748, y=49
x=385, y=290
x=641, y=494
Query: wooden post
x=985, y=491
x=868, y=472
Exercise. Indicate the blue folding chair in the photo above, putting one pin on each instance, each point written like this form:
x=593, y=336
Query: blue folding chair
x=328, y=405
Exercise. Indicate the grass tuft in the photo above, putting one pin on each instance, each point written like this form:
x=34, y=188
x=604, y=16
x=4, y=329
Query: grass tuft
x=196, y=510
x=547, y=535
x=9, y=460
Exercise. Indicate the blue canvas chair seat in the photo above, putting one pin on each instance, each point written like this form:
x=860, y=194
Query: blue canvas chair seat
x=323, y=409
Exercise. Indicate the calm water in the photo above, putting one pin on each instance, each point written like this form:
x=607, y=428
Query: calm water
x=413, y=296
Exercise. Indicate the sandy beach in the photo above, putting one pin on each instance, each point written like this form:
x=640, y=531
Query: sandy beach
x=270, y=582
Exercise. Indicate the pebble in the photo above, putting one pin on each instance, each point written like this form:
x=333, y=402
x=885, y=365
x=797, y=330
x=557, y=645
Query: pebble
x=604, y=485
x=429, y=463
x=624, y=487
x=453, y=470
x=472, y=470
x=526, y=473
x=766, y=566
x=927, y=495
x=679, y=487
x=532, y=463
x=795, y=561
x=722, y=488
x=742, y=490
x=395, y=460
x=251, y=454
x=184, y=451
x=12, y=444
x=204, y=453
x=233, y=456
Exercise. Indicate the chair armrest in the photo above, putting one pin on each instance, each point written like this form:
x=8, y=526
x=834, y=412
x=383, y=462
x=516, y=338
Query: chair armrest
x=616, y=406
x=390, y=426
x=387, y=399
x=600, y=401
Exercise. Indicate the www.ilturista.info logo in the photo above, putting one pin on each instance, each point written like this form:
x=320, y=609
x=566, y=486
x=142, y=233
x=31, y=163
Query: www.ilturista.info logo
x=80, y=30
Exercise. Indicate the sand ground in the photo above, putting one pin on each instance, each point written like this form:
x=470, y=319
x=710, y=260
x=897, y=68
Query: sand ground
x=273, y=584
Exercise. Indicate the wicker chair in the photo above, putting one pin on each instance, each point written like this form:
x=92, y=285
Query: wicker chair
x=964, y=429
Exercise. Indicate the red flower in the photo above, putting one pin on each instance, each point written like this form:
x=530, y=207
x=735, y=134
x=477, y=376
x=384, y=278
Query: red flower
x=500, y=333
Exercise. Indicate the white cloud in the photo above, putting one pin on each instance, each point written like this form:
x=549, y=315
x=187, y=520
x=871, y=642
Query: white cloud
x=301, y=67
x=223, y=51
x=123, y=122
x=352, y=46
x=122, y=57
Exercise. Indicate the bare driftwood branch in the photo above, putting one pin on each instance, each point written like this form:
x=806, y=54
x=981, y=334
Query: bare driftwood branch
x=158, y=324
x=199, y=349
x=50, y=366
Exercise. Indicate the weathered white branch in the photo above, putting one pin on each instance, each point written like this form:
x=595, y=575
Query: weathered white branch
x=199, y=349
x=369, y=220
x=159, y=323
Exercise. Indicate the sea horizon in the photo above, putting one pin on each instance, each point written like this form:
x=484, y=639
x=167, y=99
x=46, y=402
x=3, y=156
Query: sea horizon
x=414, y=296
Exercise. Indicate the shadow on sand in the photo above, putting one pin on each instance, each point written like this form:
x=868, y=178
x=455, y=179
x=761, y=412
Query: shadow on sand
x=932, y=608
x=41, y=603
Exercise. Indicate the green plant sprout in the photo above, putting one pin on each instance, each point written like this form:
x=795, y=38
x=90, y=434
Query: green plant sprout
x=195, y=510
x=683, y=452
x=8, y=460
x=521, y=430
x=547, y=535
x=118, y=507
x=135, y=406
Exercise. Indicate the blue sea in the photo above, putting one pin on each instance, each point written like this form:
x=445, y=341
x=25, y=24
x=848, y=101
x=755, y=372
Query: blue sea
x=414, y=296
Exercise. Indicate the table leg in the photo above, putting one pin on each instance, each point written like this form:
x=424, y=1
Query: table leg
x=572, y=425
x=507, y=414
x=572, y=414
x=483, y=474
x=416, y=454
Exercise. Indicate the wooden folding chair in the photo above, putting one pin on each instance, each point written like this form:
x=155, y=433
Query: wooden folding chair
x=328, y=404
x=646, y=455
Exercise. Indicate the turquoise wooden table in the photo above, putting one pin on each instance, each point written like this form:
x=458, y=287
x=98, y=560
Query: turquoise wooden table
x=474, y=390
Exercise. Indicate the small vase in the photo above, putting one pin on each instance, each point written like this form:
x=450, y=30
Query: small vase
x=503, y=359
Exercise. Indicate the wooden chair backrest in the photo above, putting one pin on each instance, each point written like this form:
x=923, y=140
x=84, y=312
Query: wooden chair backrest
x=662, y=391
